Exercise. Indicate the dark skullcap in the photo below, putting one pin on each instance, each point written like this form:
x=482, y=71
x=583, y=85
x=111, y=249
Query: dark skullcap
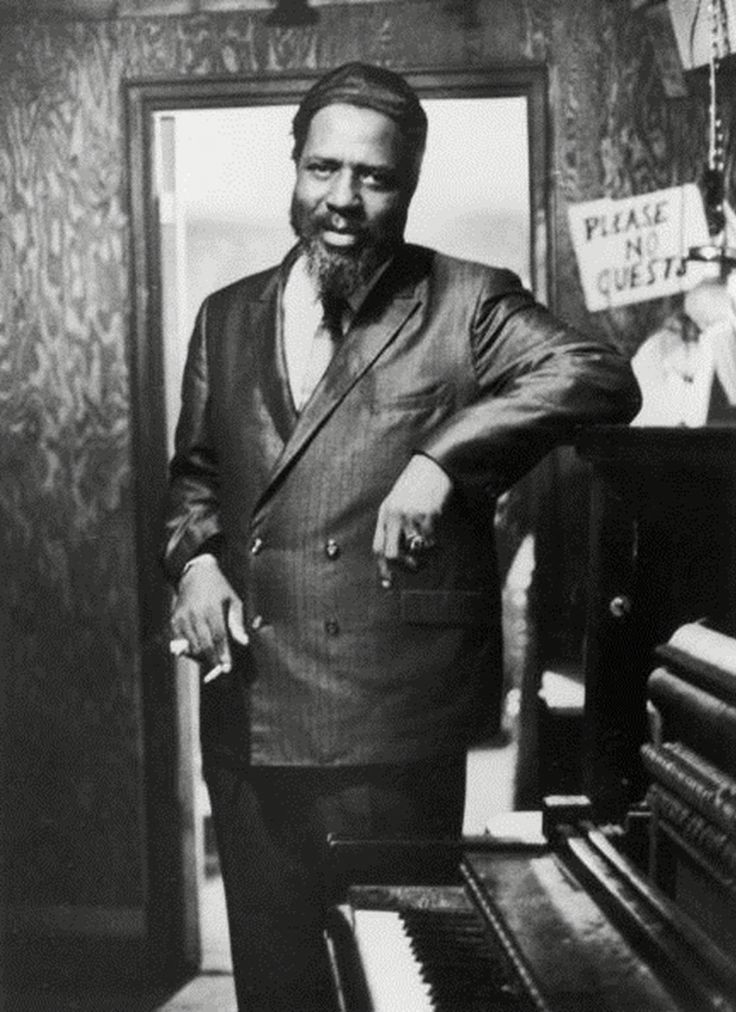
x=369, y=87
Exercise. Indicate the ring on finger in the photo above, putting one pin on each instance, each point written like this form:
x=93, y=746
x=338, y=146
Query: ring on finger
x=178, y=646
x=416, y=544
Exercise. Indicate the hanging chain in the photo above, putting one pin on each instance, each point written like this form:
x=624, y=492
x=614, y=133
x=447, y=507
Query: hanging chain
x=718, y=49
x=713, y=179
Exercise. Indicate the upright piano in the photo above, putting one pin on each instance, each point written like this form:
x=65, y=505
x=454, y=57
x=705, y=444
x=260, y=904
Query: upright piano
x=563, y=912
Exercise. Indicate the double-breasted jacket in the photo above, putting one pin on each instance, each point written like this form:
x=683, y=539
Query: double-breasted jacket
x=448, y=358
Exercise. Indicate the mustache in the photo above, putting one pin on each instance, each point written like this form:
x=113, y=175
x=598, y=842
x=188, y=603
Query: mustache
x=348, y=222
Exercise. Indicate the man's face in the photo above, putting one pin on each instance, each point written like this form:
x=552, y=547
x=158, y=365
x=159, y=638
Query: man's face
x=351, y=195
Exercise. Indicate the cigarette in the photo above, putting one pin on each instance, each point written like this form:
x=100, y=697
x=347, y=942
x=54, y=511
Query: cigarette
x=213, y=673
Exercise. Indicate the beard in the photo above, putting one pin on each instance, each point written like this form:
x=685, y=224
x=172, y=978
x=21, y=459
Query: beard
x=340, y=272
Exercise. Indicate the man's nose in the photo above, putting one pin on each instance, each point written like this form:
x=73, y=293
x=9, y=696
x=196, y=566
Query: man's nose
x=344, y=192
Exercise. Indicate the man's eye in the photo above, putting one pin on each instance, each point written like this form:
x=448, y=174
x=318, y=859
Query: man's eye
x=321, y=170
x=377, y=180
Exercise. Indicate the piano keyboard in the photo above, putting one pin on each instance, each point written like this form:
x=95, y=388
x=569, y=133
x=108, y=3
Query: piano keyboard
x=424, y=960
x=386, y=956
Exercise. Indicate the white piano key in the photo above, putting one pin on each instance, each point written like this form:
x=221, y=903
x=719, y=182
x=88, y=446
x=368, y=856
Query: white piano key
x=392, y=972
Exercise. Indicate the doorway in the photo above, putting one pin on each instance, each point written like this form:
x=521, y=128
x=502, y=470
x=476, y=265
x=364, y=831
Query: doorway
x=202, y=156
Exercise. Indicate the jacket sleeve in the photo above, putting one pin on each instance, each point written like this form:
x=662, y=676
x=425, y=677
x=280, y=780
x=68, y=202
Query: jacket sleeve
x=192, y=521
x=536, y=381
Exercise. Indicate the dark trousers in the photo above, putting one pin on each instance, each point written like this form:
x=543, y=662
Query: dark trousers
x=271, y=826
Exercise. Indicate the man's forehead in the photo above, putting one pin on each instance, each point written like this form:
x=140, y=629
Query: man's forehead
x=346, y=126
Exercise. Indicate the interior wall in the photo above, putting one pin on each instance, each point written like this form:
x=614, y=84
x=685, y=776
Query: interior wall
x=74, y=849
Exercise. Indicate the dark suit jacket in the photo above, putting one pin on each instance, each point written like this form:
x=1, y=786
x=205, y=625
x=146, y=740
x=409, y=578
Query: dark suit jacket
x=452, y=359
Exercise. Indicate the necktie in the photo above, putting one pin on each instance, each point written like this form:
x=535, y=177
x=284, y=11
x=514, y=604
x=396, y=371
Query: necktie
x=325, y=341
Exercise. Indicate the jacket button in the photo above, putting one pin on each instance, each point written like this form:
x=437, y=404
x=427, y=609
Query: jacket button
x=332, y=628
x=256, y=622
x=256, y=545
x=332, y=549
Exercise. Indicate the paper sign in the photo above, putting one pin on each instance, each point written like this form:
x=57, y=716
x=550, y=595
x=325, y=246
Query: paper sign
x=633, y=249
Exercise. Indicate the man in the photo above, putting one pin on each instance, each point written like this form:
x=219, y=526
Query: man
x=348, y=419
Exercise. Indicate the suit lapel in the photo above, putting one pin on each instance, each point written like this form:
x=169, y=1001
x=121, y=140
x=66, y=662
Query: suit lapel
x=261, y=364
x=394, y=301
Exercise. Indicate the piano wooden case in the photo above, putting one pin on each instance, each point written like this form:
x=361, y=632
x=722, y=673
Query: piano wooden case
x=564, y=915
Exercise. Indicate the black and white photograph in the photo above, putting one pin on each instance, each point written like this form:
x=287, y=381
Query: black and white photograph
x=368, y=455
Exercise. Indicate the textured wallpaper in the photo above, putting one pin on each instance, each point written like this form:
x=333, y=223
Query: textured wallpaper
x=68, y=569
x=70, y=652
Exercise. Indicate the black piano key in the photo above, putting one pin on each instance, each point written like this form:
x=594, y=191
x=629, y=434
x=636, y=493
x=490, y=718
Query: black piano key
x=465, y=968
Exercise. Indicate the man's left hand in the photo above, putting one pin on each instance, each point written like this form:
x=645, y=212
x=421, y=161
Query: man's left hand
x=408, y=515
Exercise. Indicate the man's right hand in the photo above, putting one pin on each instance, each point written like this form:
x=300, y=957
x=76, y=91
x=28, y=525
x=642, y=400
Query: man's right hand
x=205, y=608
